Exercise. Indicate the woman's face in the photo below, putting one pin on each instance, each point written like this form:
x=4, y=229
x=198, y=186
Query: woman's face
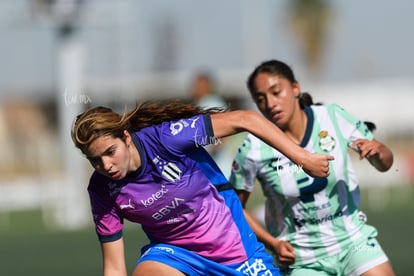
x=276, y=98
x=112, y=157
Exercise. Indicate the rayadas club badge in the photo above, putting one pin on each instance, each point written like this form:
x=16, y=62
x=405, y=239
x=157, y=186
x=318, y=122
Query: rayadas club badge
x=326, y=142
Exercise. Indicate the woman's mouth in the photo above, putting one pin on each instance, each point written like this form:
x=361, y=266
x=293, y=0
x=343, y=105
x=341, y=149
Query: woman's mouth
x=276, y=115
x=114, y=175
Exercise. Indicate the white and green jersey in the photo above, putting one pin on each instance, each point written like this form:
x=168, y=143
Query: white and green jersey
x=319, y=216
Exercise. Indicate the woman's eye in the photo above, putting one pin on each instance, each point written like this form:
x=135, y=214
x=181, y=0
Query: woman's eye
x=259, y=99
x=94, y=161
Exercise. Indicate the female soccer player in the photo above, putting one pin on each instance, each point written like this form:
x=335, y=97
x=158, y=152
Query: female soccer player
x=151, y=168
x=313, y=224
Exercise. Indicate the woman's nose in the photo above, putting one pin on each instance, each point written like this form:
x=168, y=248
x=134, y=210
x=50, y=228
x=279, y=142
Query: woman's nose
x=271, y=101
x=107, y=165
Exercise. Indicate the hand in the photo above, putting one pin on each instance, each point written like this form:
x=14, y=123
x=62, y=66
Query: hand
x=379, y=155
x=317, y=165
x=367, y=148
x=285, y=253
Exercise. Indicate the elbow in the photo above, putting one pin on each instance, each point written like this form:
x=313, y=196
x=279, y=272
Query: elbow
x=247, y=117
x=385, y=165
x=383, y=168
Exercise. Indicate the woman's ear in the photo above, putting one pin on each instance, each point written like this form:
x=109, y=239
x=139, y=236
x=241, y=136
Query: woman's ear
x=296, y=89
x=128, y=138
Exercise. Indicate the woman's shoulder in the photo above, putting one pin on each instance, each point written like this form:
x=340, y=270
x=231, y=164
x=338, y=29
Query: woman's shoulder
x=98, y=181
x=327, y=109
x=330, y=106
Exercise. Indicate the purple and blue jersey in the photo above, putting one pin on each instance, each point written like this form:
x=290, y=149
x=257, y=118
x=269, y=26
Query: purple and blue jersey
x=178, y=195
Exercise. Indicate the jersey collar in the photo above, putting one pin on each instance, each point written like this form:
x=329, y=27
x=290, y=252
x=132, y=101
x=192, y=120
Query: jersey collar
x=309, y=114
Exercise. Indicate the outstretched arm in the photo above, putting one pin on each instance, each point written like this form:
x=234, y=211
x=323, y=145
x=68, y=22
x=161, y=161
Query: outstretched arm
x=283, y=249
x=229, y=123
x=379, y=155
x=113, y=258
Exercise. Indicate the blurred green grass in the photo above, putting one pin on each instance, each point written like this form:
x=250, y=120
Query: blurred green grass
x=391, y=211
x=28, y=247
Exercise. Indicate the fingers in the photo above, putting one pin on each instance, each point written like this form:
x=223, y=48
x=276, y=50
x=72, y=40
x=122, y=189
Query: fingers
x=285, y=253
x=287, y=257
x=325, y=165
x=286, y=261
x=286, y=250
x=318, y=165
x=366, y=148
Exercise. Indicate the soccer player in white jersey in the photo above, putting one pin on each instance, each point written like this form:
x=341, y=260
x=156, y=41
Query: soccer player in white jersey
x=313, y=225
x=151, y=169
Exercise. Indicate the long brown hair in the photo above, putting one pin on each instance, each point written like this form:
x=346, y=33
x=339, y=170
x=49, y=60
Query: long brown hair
x=101, y=121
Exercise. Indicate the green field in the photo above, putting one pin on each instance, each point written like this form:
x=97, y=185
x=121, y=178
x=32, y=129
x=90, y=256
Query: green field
x=27, y=248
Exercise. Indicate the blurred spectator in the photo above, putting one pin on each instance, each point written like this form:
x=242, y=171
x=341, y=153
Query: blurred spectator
x=28, y=139
x=203, y=93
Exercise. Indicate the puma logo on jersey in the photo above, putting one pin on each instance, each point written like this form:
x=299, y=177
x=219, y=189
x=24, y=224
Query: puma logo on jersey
x=127, y=206
x=193, y=122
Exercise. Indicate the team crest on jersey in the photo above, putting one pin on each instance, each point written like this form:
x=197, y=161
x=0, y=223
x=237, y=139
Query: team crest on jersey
x=235, y=166
x=168, y=170
x=171, y=172
x=326, y=142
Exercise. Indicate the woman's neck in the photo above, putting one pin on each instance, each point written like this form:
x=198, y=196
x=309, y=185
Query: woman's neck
x=135, y=157
x=297, y=126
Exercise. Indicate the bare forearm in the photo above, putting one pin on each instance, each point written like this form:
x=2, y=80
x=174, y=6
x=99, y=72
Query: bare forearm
x=383, y=160
x=114, y=272
x=378, y=154
x=229, y=123
x=113, y=258
x=261, y=233
x=282, y=249
x=248, y=120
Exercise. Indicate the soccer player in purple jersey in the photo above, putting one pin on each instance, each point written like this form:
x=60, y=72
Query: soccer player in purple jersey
x=151, y=169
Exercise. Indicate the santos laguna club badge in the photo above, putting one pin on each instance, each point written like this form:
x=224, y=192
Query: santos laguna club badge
x=326, y=142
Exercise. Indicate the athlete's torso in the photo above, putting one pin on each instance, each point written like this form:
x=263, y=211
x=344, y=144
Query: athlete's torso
x=318, y=216
x=172, y=195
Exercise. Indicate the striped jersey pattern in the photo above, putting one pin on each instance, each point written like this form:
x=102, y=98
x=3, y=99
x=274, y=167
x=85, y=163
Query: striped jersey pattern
x=318, y=216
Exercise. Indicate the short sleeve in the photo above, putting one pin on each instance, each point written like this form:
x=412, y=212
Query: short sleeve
x=108, y=223
x=244, y=168
x=350, y=126
x=186, y=134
